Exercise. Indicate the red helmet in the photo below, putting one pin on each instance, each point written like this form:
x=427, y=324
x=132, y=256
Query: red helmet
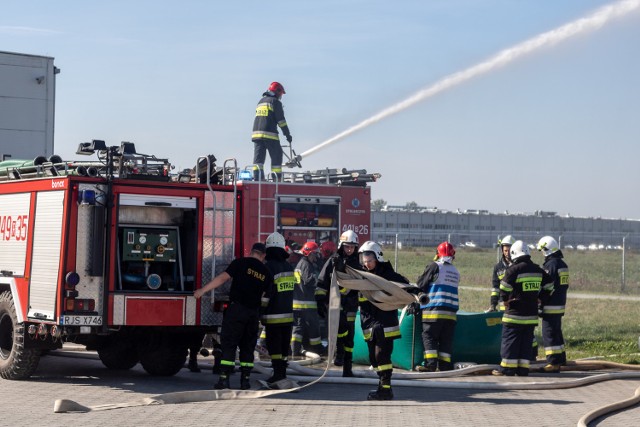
x=446, y=249
x=308, y=248
x=327, y=248
x=277, y=88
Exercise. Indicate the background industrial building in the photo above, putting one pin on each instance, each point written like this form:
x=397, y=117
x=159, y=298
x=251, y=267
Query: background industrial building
x=427, y=227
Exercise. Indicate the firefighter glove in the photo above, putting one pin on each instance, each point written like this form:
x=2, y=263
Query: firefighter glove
x=289, y=138
x=339, y=265
x=414, y=308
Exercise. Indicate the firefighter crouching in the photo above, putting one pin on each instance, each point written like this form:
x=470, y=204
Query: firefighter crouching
x=523, y=284
x=380, y=328
x=277, y=306
x=553, y=310
x=306, y=322
x=347, y=254
x=250, y=278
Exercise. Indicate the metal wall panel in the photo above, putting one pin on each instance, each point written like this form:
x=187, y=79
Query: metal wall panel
x=47, y=236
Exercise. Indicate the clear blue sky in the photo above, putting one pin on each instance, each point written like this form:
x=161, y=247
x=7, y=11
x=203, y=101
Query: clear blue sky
x=556, y=130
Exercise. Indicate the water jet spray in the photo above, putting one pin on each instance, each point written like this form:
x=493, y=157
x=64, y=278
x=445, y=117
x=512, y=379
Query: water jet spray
x=588, y=23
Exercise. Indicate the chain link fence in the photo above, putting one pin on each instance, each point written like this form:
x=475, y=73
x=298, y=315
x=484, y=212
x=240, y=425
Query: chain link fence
x=606, y=262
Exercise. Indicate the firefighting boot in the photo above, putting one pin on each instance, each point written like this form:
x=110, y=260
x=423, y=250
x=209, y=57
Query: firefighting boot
x=427, y=366
x=347, y=364
x=217, y=360
x=384, y=391
x=279, y=371
x=550, y=368
x=193, y=365
x=223, y=380
x=245, y=372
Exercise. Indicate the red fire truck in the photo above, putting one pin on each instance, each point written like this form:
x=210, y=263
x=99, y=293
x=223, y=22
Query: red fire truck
x=107, y=254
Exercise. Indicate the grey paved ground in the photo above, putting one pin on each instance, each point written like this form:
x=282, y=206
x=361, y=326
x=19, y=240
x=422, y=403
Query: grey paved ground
x=86, y=381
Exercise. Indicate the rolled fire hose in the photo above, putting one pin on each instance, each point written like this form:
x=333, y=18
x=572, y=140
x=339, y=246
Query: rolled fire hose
x=389, y=295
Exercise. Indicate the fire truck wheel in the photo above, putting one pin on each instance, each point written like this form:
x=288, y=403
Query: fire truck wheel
x=118, y=355
x=164, y=360
x=16, y=362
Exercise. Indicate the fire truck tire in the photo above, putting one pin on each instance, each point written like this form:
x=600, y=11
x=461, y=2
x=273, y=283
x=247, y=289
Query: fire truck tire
x=118, y=355
x=163, y=361
x=16, y=361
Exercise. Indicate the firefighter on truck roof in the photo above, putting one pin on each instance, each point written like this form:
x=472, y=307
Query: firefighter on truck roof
x=269, y=116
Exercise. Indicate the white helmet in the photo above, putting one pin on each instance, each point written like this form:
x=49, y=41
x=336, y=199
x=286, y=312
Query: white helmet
x=275, y=240
x=349, y=237
x=518, y=250
x=370, y=246
x=547, y=245
x=507, y=240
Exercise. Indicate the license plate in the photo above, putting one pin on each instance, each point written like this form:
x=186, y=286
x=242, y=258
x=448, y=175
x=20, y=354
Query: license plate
x=81, y=320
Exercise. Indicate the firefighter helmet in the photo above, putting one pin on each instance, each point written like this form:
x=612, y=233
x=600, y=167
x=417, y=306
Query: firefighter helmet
x=277, y=88
x=548, y=245
x=309, y=248
x=275, y=240
x=518, y=250
x=327, y=248
x=507, y=240
x=349, y=237
x=446, y=249
x=373, y=247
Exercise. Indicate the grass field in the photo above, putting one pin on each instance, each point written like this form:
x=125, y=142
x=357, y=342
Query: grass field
x=597, y=326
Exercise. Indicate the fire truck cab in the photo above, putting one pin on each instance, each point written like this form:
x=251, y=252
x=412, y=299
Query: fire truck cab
x=107, y=254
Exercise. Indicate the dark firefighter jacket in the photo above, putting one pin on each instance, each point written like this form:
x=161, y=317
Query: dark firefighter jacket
x=371, y=316
x=555, y=266
x=269, y=115
x=498, y=273
x=348, y=297
x=277, y=303
x=522, y=285
x=306, y=274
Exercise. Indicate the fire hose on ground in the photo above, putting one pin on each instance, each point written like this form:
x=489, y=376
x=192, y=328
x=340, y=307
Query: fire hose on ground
x=391, y=296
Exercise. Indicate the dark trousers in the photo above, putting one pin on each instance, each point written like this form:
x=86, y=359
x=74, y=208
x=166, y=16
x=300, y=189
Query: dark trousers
x=380, y=349
x=260, y=149
x=239, y=330
x=515, y=348
x=306, y=324
x=437, y=338
x=346, y=332
x=278, y=340
x=552, y=339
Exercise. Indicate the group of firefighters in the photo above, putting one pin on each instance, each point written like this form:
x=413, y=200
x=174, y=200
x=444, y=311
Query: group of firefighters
x=525, y=291
x=290, y=301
